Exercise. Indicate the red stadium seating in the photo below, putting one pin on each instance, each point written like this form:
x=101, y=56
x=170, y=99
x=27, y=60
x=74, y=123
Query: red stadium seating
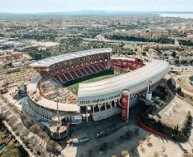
x=77, y=68
x=73, y=75
x=124, y=65
x=92, y=69
x=69, y=77
x=84, y=72
x=81, y=67
x=88, y=70
x=79, y=73
x=102, y=66
x=97, y=67
x=57, y=79
x=62, y=77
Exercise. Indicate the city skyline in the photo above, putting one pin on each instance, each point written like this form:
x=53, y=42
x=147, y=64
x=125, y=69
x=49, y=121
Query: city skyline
x=35, y=6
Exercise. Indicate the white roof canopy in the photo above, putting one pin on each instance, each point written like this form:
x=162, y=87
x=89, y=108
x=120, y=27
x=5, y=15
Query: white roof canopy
x=134, y=81
x=68, y=56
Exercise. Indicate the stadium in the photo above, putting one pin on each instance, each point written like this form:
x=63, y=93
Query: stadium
x=91, y=84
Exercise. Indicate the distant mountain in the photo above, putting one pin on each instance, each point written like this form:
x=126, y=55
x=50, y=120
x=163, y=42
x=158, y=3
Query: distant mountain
x=82, y=12
x=93, y=13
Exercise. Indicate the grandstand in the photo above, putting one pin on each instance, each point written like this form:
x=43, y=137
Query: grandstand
x=135, y=81
x=73, y=85
x=105, y=93
x=95, y=77
x=73, y=66
x=124, y=65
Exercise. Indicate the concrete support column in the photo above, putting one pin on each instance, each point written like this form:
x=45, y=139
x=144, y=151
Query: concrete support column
x=149, y=92
x=86, y=114
x=115, y=103
x=105, y=106
x=99, y=107
x=111, y=104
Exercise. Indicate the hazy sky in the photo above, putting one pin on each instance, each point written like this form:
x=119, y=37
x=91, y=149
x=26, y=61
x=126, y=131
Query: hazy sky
x=32, y=6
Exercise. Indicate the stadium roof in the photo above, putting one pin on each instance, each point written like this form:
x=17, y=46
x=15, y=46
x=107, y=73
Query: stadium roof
x=67, y=56
x=49, y=104
x=134, y=81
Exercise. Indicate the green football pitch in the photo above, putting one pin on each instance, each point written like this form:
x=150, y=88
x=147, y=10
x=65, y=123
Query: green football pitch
x=100, y=76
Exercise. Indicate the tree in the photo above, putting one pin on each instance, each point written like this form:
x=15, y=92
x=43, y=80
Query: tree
x=174, y=54
x=35, y=129
x=191, y=62
x=136, y=131
x=184, y=62
x=179, y=90
x=144, y=54
x=43, y=136
x=177, y=61
x=1, y=116
x=27, y=121
x=51, y=146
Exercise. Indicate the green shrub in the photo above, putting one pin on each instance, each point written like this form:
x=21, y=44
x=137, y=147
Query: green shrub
x=178, y=136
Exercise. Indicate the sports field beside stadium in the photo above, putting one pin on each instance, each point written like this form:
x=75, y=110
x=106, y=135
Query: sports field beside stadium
x=73, y=86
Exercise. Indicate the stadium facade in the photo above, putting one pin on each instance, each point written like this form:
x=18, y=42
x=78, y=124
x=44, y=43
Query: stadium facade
x=101, y=99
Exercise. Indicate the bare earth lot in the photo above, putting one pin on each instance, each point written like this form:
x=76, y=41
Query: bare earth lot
x=143, y=144
x=175, y=112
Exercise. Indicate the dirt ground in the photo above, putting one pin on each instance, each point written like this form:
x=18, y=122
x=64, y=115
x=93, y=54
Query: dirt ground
x=175, y=112
x=47, y=44
x=184, y=83
x=114, y=145
x=143, y=144
x=155, y=146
